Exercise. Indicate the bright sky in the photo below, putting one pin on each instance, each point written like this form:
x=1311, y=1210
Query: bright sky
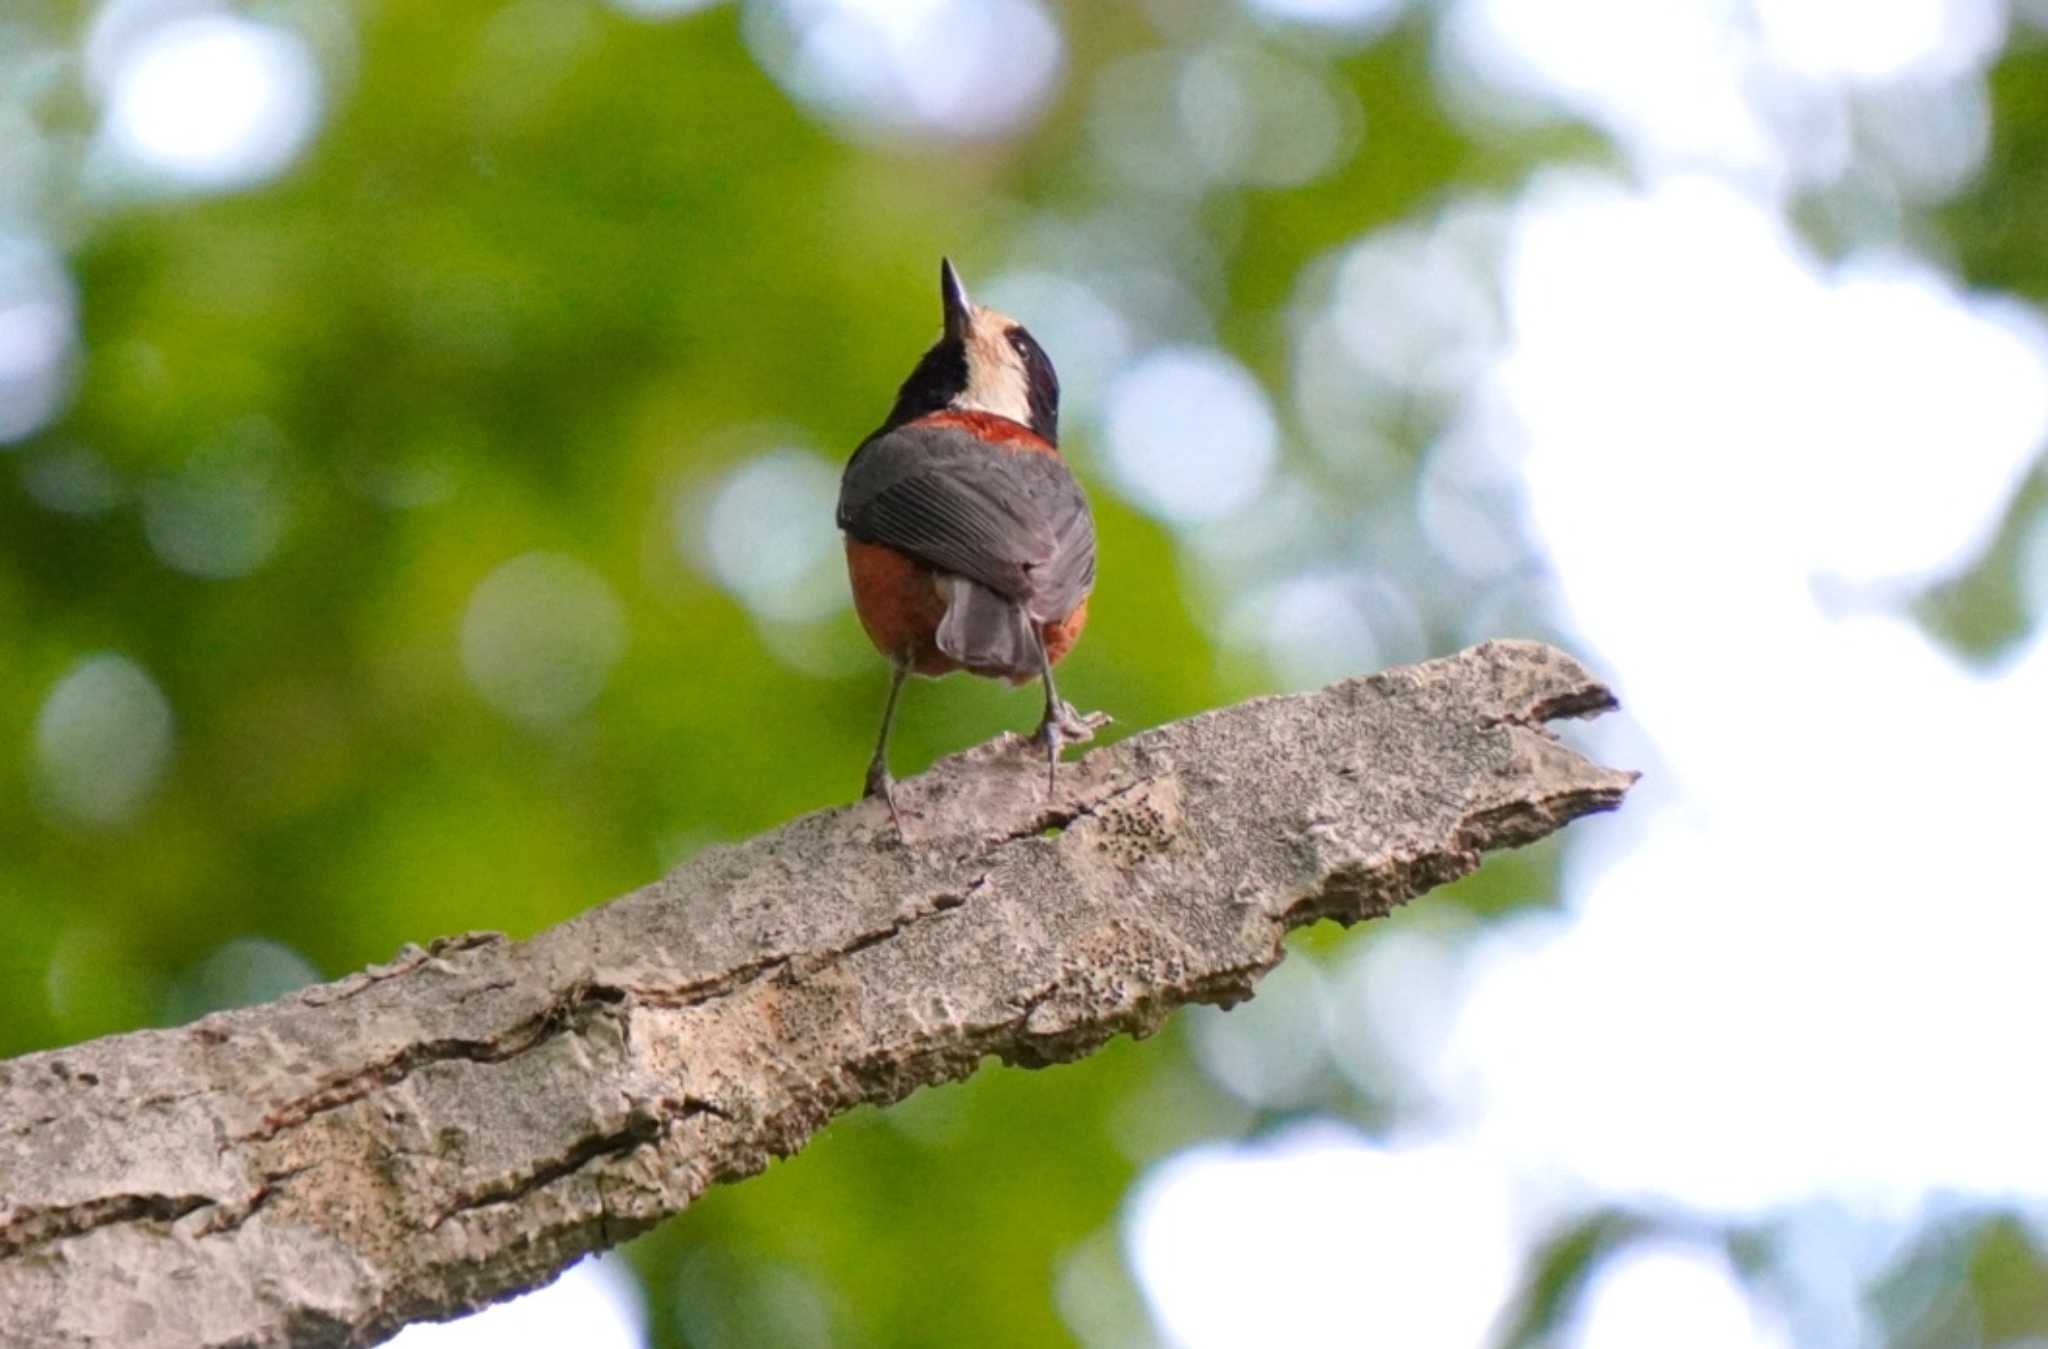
x=596, y=1304
x=1793, y=980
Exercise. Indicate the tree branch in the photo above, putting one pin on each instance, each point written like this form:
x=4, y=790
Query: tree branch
x=426, y=1136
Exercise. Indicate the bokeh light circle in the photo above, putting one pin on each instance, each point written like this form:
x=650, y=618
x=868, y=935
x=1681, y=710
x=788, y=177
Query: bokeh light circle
x=596, y=1304
x=1676, y=1295
x=764, y=532
x=38, y=337
x=212, y=100
x=223, y=514
x=541, y=636
x=949, y=69
x=1399, y=1246
x=1366, y=16
x=102, y=740
x=1258, y=120
x=1269, y=1052
x=1191, y=435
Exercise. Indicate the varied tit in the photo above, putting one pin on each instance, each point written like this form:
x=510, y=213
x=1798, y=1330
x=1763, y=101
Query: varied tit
x=968, y=542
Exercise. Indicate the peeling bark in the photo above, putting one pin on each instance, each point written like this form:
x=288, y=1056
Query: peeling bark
x=430, y=1135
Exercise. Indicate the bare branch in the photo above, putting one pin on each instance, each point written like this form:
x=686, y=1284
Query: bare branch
x=424, y=1137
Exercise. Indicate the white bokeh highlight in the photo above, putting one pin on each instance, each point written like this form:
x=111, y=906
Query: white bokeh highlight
x=1223, y=115
x=596, y=1304
x=1469, y=498
x=207, y=99
x=1256, y=119
x=102, y=740
x=763, y=532
x=1191, y=435
x=1697, y=420
x=1666, y=80
x=1770, y=96
x=1269, y=1052
x=1900, y=40
x=1927, y=142
x=1672, y=1295
x=2033, y=571
x=248, y=970
x=1415, y=307
x=1396, y=1001
x=1793, y=983
x=1315, y=1237
x=1326, y=624
x=1362, y=17
x=540, y=637
x=1865, y=421
x=660, y=9
x=943, y=69
x=38, y=337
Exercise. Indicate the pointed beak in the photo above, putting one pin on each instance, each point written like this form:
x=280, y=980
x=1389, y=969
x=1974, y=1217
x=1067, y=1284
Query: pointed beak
x=959, y=310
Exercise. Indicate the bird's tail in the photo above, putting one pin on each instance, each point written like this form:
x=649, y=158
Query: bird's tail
x=984, y=631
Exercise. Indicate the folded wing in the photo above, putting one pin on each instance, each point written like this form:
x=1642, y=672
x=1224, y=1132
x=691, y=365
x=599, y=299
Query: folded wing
x=1014, y=524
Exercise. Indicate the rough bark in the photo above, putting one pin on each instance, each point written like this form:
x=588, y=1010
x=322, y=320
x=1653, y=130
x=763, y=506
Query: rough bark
x=426, y=1136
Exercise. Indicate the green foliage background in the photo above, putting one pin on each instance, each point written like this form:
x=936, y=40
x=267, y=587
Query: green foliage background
x=565, y=274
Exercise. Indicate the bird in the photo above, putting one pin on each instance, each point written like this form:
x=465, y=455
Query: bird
x=969, y=542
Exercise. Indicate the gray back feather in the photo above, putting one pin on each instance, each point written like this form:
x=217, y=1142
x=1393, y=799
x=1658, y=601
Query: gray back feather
x=1017, y=524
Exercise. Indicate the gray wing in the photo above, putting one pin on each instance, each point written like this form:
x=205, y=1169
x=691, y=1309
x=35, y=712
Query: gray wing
x=1015, y=523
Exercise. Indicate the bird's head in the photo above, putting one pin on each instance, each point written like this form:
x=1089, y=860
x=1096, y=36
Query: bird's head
x=982, y=362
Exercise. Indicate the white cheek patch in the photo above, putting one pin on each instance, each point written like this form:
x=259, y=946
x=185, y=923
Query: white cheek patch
x=995, y=374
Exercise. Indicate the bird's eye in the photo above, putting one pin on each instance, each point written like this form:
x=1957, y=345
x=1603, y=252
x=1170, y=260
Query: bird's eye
x=1043, y=383
x=1026, y=346
x=1037, y=365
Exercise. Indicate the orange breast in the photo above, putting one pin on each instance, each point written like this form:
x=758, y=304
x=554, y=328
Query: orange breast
x=899, y=604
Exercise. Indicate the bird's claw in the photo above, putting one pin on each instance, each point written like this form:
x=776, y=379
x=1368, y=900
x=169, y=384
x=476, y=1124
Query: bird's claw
x=1079, y=728
x=1073, y=728
x=1064, y=726
x=880, y=783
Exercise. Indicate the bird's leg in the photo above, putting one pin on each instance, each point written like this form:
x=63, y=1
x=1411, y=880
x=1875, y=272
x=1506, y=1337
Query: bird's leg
x=879, y=782
x=1061, y=725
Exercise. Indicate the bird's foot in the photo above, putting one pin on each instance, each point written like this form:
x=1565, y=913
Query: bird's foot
x=1064, y=726
x=1078, y=728
x=880, y=783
